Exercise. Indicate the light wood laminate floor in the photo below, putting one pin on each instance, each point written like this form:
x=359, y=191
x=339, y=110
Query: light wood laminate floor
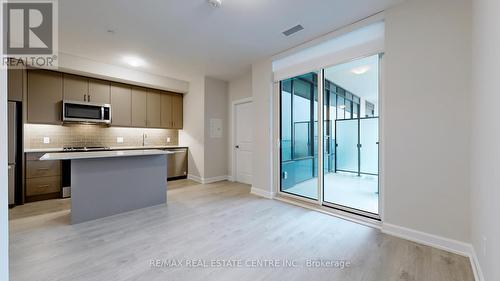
x=217, y=223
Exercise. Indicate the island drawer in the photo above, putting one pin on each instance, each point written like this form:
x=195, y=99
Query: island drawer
x=43, y=185
x=36, y=169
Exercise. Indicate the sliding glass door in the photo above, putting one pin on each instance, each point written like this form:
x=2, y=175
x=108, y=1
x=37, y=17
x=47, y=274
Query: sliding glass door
x=349, y=113
x=299, y=133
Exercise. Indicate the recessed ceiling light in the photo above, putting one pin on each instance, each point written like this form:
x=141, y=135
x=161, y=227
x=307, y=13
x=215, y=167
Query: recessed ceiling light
x=360, y=70
x=215, y=3
x=133, y=61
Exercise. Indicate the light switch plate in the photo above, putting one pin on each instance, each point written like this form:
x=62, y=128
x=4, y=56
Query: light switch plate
x=216, y=128
x=168, y=139
x=119, y=140
x=46, y=140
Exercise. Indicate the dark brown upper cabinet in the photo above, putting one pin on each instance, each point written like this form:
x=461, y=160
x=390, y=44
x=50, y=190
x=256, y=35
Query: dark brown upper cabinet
x=83, y=89
x=131, y=106
x=154, y=109
x=121, y=105
x=139, y=107
x=45, y=93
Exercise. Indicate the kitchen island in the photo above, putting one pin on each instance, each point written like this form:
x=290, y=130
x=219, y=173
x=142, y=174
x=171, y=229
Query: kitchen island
x=105, y=183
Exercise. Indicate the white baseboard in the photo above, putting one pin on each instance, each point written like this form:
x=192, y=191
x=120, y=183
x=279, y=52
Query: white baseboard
x=446, y=244
x=432, y=240
x=262, y=193
x=207, y=180
x=195, y=178
x=476, y=267
x=450, y=245
x=214, y=179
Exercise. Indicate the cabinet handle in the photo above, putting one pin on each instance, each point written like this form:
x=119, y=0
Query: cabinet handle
x=89, y=97
x=84, y=97
x=43, y=169
x=42, y=186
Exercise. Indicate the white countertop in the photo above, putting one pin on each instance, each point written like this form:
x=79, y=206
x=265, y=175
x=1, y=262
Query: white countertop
x=147, y=147
x=39, y=150
x=101, y=154
x=60, y=149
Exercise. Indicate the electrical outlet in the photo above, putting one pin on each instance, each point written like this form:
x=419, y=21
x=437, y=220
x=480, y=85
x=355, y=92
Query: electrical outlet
x=168, y=139
x=46, y=140
x=484, y=246
x=119, y=140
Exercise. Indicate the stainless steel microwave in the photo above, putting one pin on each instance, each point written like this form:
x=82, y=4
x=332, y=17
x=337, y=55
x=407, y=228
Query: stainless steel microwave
x=86, y=112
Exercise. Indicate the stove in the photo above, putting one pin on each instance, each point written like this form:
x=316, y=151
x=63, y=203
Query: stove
x=85, y=148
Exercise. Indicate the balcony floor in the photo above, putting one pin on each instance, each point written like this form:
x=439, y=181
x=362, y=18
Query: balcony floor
x=344, y=189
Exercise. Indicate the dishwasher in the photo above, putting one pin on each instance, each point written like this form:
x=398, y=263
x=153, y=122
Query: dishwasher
x=177, y=165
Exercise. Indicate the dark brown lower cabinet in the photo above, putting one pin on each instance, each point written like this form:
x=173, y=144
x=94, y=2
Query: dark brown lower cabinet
x=43, y=178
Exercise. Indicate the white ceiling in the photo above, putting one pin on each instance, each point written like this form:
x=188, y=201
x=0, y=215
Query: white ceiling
x=180, y=37
x=362, y=85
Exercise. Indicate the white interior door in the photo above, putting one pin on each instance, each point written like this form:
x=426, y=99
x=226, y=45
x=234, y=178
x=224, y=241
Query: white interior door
x=243, y=142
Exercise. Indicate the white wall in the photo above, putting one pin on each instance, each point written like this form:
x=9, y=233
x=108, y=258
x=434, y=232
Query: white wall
x=239, y=88
x=262, y=85
x=216, y=96
x=4, y=223
x=426, y=113
x=485, y=153
x=426, y=120
x=192, y=135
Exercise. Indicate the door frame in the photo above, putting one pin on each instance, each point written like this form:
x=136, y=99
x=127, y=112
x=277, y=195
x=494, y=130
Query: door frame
x=276, y=139
x=233, y=135
x=276, y=132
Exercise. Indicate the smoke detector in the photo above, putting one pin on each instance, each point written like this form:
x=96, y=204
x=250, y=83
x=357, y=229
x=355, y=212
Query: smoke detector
x=215, y=3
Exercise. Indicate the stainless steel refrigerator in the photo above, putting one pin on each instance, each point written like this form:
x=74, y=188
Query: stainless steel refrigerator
x=13, y=130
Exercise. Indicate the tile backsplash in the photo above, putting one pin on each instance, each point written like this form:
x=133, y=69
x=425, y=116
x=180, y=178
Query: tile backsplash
x=56, y=136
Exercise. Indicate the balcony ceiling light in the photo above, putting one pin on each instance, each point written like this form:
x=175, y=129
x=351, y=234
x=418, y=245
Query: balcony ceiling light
x=361, y=70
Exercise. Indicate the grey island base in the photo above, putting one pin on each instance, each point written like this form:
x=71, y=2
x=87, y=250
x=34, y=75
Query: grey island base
x=105, y=183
